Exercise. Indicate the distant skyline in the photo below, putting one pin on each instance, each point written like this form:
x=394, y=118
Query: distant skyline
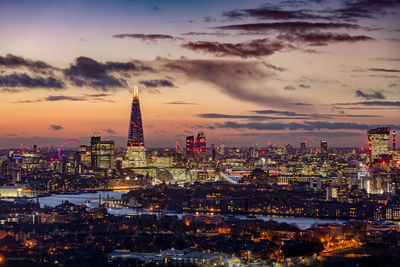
x=243, y=72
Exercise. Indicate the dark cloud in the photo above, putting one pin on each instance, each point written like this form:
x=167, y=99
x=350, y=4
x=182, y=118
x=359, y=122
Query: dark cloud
x=289, y=88
x=368, y=96
x=269, y=13
x=91, y=73
x=321, y=39
x=254, y=48
x=300, y=104
x=157, y=83
x=354, y=9
x=291, y=26
x=278, y=112
x=12, y=61
x=56, y=127
x=88, y=72
x=342, y=115
x=180, y=103
x=360, y=108
x=126, y=66
x=24, y=80
x=304, y=86
x=273, y=67
x=12, y=135
x=373, y=103
x=144, y=37
x=306, y=125
x=52, y=98
x=392, y=85
x=248, y=117
x=384, y=70
x=206, y=33
x=385, y=76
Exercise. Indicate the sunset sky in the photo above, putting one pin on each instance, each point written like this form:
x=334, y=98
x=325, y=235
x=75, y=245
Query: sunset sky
x=244, y=72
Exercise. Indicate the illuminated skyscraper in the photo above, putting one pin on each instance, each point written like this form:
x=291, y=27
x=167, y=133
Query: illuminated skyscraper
x=200, y=143
x=190, y=145
x=135, y=153
x=102, y=153
x=378, y=141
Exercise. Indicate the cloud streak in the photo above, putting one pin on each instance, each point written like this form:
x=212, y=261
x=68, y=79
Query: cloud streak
x=56, y=127
x=384, y=70
x=157, y=83
x=306, y=125
x=368, y=96
x=291, y=26
x=323, y=39
x=249, y=117
x=268, y=14
x=254, y=48
x=144, y=37
x=25, y=80
x=12, y=61
x=372, y=103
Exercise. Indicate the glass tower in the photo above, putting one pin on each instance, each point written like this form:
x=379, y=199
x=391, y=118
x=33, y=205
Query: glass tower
x=135, y=156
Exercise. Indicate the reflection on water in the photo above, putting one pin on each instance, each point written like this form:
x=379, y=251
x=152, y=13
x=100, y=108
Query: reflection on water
x=91, y=200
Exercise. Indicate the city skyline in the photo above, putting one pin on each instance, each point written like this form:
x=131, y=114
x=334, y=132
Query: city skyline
x=245, y=73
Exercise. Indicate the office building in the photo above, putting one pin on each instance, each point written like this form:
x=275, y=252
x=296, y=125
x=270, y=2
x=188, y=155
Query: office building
x=378, y=141
x=190, y=145
x=200, y=143
x=102, y=153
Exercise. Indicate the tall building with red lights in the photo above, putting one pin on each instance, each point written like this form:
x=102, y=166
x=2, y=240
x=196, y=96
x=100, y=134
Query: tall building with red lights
x=200, y=143
x=135, y=152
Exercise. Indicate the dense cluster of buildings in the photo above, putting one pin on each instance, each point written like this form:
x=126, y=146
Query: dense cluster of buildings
x=362, y=185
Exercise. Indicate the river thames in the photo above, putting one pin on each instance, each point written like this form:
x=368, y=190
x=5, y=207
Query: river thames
x=91, y=200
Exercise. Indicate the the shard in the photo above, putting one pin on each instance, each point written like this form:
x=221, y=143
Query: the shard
x=135, y=152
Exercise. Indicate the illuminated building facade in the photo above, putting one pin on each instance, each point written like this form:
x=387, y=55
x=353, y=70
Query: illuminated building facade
x=190, y=145
x=83, y=158
x=102, y=153
x=378, y=141
x=135, y=152
x=200, y=143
